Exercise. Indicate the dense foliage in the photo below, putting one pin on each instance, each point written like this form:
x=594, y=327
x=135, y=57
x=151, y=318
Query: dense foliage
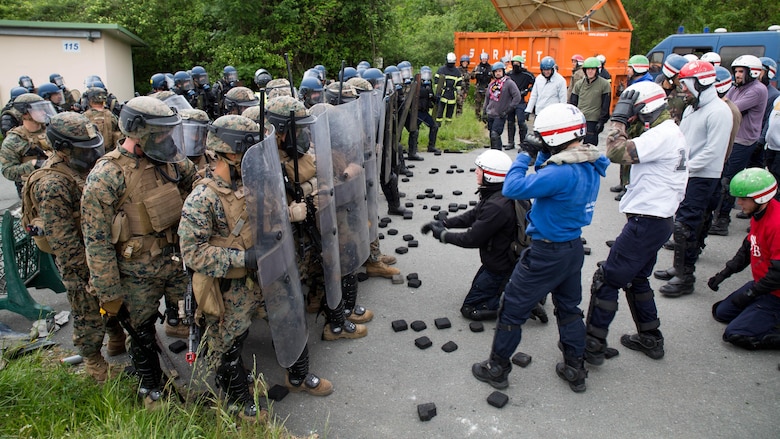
x=250, y=35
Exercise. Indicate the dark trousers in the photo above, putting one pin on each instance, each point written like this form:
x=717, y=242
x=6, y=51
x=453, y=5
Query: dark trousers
x=425, y=118
x=772, y=163
x=631, y=261
x=518, y=117
x=757, y=320
x=693, y=211
x=591, y=134
x=737, y=161
x=486, y=289
x=544, y=268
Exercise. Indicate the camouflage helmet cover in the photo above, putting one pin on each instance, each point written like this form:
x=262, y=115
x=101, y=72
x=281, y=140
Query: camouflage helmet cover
x=232, y=134
x=360, y=84
x=78, y=137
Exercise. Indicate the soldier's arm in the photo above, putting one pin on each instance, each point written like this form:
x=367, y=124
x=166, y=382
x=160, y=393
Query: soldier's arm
x=188, y=175
x=11, y=153
x=102, y=191
x=56, y=207
x=619, y=148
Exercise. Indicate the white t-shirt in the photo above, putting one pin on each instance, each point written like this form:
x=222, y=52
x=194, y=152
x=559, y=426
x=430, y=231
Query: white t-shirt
x=658, y=181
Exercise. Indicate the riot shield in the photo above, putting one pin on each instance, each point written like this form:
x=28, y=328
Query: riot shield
x=349, y=180
x=326, y=206
x=389, y=158
x=368, y=114
x=277, y=270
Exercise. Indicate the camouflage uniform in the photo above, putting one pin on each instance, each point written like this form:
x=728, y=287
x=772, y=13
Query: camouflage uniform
x=107, y=124
x=21, y=150
x=464, y=91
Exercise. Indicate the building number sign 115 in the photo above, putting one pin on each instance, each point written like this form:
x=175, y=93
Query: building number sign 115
x=71, y=46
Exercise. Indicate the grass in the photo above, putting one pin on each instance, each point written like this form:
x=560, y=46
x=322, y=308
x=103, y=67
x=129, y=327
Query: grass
x=41, y=398
x=464, y=133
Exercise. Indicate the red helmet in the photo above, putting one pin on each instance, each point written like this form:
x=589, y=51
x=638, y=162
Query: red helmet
x=702, y=71
x=578, y=58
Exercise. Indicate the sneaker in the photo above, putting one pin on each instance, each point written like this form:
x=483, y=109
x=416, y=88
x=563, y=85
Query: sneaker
x=380, y=269
x=178, y=331
x=312, y=384
x=349, y=330
x=492, y=373
x=116, y=344
x=650, y=345
x=616, y=189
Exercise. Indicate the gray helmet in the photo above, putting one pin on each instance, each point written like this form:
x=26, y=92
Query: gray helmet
x=360, y=84
x=232, y=134
x=262, y=77
x=156, y=126
x=75, y=134
x=195, y=125
x=39, y=109
x=348, y=93
x=239, y=99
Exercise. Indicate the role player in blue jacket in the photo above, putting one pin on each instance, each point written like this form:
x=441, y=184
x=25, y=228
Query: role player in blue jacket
x=565, y=187
x=659, y=174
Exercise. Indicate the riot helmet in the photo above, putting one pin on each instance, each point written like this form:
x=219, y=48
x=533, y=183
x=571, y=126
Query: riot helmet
x=494, y=165
x=253, y=113
x=498, y=66
x=96, y=94
x=200, y=76
x=40, y=110
x=278, y=87
x=349, y=72
x=17, y=91
x=183, y=82
x=310, y=90
x=239, y=99
x=56, y=79
x=547, y=63
x=262, y=77
x=230, y=75
x=337, y=93
x=770, y=66
x=756, y=183
x=426, y=74
x=232, y=134
x=558, y=125
x=158, y=82
x=466, y=59
x=173, y=100
x=280, y=111
x=406, y=71
x=712, y=58
x=451, y=58
x=26, y=82
x=395, y=74
x=697, y=76
x=52, y=93
x=195, y=125
x=169, y=80
x=360, y=84
x=374, y=76
x=723, y=80
x=364, y=65
x=483, y=57
x=75, y=135
x=91, y=80
x=323, y=72
x=156, y=126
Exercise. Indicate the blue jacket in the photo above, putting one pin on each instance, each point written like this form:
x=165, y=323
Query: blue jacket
x=565, y=195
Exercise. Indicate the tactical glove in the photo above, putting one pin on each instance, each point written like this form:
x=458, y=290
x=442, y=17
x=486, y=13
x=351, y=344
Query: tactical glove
x=250, y=259
x=715, y=281
x=624, y=109
x=532, y=144
x=297, y=211
x=112, y=307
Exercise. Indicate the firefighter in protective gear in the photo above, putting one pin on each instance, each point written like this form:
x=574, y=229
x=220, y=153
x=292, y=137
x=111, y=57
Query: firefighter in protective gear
x=751, y=312
x=53, y=194
x=26, y=147
x=447, y=83
x=130, y=211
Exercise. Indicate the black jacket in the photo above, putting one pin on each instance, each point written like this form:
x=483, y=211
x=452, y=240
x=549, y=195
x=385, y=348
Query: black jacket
x=523, y=79
x=491, y=228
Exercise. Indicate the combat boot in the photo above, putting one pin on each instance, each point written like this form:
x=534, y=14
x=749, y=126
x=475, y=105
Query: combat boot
x=380, y=269
x=572, y=370
x=352, y=311
x=648, y=343
x=311, y=384
x=680, y=284
x=387, y=259
x=720, y=227
x=116, y=343
x=347, y=330
x=494, y=371
x=97, y=367
x=412, y=156
x=667, y=274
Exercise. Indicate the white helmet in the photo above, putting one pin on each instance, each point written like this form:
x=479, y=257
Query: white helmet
x=750, y=62
x=601, y=58
x=690, y=57
x=651, y=96
x=494, y=165
x=712, y=58
x=558, y=124
x=451, y=58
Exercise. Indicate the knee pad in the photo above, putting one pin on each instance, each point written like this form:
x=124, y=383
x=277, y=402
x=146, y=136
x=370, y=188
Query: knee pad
x=567, y=318
x=233, y=353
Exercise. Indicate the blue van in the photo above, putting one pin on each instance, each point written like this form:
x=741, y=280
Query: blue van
x=729, y=45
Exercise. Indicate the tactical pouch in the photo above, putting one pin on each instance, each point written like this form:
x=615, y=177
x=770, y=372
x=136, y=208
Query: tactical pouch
x=137, y=219
x=208, y=294
x=120, y=228
x=163, y=207
x=40, y=240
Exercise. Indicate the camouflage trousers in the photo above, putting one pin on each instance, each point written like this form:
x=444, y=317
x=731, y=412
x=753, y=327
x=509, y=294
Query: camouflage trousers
x=88, y=325
x=479, y=101
x=374, y=251
x=242, y=299
x=142, y=294
x=459, y=100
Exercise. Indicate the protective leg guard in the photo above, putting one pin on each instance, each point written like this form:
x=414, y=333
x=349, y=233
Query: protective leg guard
x=493, y=371
x=147, y=363
x=633, y=300
x=300, y=380
x=393, y=197
x=232, y=378
x=478, y=315
x=495, y=141
x=596, y=338
x=352, y=311
x=680, y=234
x=650, y=344
x=413, y=136
x=572, y=370
x=432, y=138
x=337, y=326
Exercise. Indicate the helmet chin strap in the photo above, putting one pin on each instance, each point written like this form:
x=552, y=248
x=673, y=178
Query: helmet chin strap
x=235, y=170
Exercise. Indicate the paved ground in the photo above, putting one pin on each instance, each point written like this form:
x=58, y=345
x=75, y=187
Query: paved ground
x=703, y=387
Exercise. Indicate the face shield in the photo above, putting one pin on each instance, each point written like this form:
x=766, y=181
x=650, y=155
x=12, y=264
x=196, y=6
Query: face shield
x=201, y=78
x=178, y=102
x=58, y=82
x=186, y=85
x=406, y=73
x=56, y=98
x=425, y=75
x=26, y=83
x=164, y=143
x=242, y=106
x=231, y=77
x=313, y=97
x=397, y=78
x=238, y=141
x=302, y=139
x=83, y=159
x=194, y=137
x=41, y=111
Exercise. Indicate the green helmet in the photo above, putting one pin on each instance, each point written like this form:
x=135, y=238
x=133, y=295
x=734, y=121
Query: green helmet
x=591, y=63
x=75, y=134
x=156, y=126
x=252, y=113
x=240, y=98
x=756, y=183
x=278, y=87
x=639, y=63
x=360, y=84
x=518, y=58
x=96, y=94
x=232, y=134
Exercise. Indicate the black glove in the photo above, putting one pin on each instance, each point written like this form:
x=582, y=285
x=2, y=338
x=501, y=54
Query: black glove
x=715, y=281
x=532, y=143
x=250, y=259
x=624, y=109
x=428, y=227
x=527, y=116
x=741, y=301
x=599, y=127
x=437, y=228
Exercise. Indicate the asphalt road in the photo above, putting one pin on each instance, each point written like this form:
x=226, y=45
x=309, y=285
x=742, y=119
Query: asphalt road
x=703, y=387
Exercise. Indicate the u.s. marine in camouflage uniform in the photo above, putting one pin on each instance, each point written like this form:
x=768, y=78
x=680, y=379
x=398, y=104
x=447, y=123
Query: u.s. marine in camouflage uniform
x=103, y=118
x=55, y=196
x=25, y=147
x=130, y=210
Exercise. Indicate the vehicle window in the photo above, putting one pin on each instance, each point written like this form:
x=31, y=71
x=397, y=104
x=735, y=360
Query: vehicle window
x=729, y=53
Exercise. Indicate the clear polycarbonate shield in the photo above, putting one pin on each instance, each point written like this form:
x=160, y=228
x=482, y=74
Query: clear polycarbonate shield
x=178, y=102
x=349, y=182
x=369, y=116
x=277, y=269
x=195, y=133
x=388, y=130
x=326, y=206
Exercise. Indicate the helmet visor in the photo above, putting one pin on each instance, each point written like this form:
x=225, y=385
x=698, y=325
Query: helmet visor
x=57, y=80
x=26, y=83
x=201, y=78
x=83, y=159
x=397, y=78
x=164, y=143
x=194, y=137
x=406, y=72
x=425, y=75
x=186, y=85
x=178, y=102
x=231, y=76
x=41, y=111
x=242, y=106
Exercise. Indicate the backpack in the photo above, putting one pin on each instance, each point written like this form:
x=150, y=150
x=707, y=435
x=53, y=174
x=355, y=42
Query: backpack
x=521, y=240
x=31, y=220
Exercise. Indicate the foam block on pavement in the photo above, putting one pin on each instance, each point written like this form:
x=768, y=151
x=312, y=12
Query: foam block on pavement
x=411, y=276
x=449, y=347
x=408, y=214
x=476, y=326
x=397, y=279
x=277, y=392
x=423, y=342
x=399, y=325
x=426, y=411
x=418, y=325
x=442, y=323
x=392, y=231
x=457, y=192
x=413, y=243
x=521, y=359
x=497, y=399
x=402, y=250
x=414, y=283
x=177, y=346
x=408, y=237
